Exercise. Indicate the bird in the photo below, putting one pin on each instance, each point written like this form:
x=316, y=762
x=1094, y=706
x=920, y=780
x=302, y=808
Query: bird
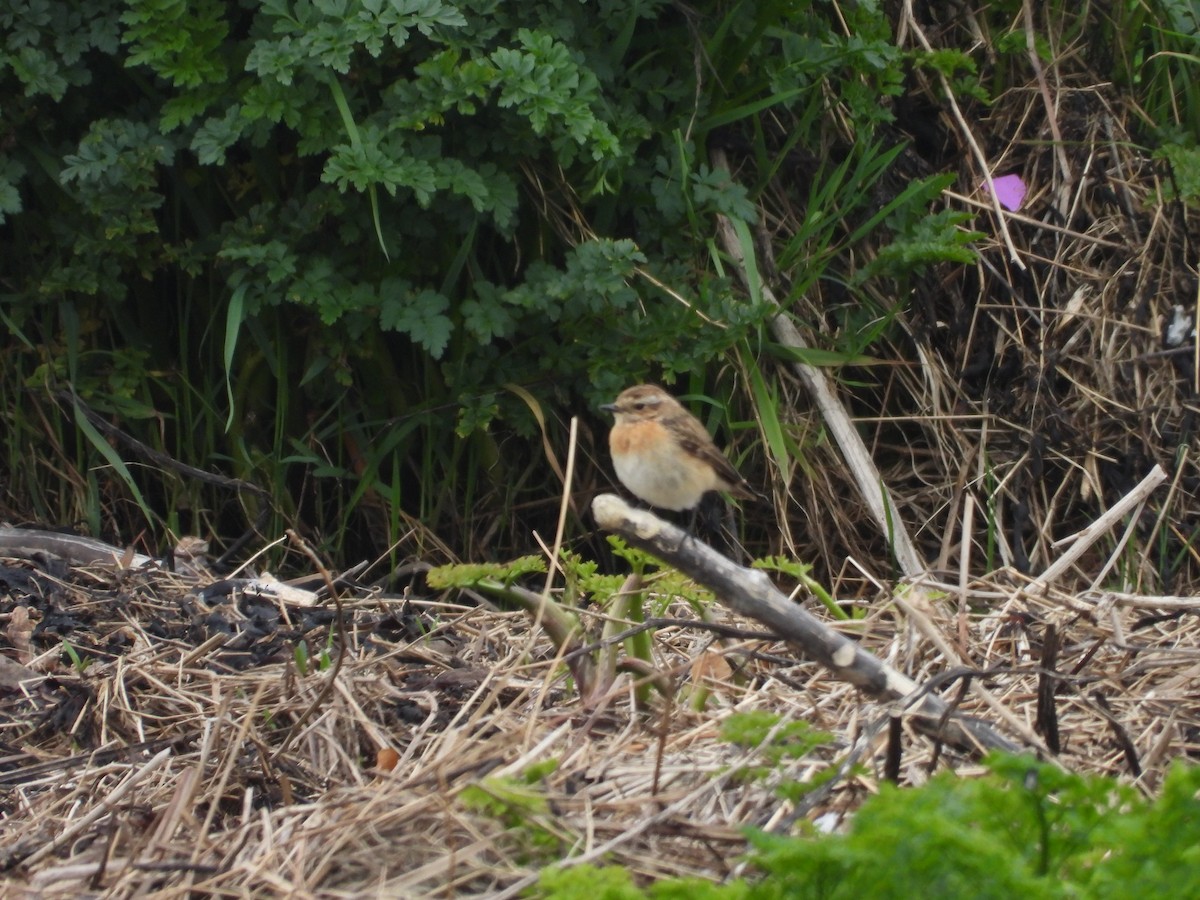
x=662, y=453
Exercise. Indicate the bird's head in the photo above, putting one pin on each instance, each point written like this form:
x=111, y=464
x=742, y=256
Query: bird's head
x=644, y=401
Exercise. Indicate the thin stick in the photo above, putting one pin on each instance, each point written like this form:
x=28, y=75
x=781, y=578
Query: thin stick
x=327, y=687
x=243, y=566
x=1037, y=223
x=568, y=478
x=964, y=569
x=1040, y=75
x=1088, y=536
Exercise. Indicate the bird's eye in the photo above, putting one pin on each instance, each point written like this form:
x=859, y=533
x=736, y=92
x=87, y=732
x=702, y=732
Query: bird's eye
x=639, y=406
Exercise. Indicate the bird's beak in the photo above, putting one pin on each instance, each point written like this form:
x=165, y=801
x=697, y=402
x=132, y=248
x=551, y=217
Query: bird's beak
x=609, y=407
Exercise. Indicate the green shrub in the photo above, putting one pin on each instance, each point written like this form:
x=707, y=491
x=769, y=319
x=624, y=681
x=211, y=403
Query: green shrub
x=1025, y=830
x=325, y=234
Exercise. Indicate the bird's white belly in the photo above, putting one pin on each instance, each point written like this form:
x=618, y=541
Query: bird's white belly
x=665, y=484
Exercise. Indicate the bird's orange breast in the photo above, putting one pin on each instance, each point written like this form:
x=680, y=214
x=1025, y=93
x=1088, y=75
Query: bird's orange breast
x=637, y=437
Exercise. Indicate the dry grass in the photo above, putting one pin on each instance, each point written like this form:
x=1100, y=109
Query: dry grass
x=1039, y=387
x=191, y=757
x=160, y=770
x=1029, y=394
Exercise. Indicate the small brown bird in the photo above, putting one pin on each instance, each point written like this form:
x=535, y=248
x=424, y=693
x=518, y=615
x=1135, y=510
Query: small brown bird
x=664, y=455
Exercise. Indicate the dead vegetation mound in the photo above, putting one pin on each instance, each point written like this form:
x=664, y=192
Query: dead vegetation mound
x=178, y=748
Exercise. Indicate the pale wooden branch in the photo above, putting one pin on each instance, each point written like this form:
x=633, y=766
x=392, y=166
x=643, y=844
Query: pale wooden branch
x=1084, y=539
x=750, y=592
x=1138, y=601
x=26, y=543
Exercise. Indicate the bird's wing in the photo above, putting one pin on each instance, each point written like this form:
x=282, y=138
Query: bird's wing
x=697, y=441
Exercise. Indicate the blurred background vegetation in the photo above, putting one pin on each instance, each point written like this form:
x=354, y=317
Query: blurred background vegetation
x=362, y=260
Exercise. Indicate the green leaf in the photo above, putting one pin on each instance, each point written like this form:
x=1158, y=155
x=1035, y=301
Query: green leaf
x=38, y=73
x=422, y=317
x=217, y=135
x=180, y=42
x=11, y=173
x=470, y=575
x=1185, y=171
x=111, y=456
x=367, y=179
x=487, y=319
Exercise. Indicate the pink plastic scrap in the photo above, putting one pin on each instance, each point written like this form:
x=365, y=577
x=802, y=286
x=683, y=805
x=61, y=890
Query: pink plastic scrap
x=1010, y=191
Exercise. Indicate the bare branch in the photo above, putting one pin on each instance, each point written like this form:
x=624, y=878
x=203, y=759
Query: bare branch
x=750, y=592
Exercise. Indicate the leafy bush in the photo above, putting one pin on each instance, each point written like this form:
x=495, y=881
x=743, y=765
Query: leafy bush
x=328, y=233
x=1027, y=830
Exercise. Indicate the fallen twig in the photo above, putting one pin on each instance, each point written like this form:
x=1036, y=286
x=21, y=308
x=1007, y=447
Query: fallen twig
x=751, y=593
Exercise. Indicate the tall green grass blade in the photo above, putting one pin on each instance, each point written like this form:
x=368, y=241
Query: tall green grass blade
x=536, y=409
x=889, y=519
x=749, y=261
x=234, y=318
x=69, y=316
x=936, y=184
x=370, y=477
x=747, y=110
x=14, y=329
x=460, y=260
x=816, y=356
x=768, y=420
x=110, y=455
x=339, y=99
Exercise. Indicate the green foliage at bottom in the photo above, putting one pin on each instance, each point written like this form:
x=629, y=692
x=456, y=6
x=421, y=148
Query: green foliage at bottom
x=1025, y=830
x=591, y=883
x=520, y=805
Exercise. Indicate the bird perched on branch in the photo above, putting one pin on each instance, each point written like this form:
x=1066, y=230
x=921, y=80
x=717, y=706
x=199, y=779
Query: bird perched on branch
x=664, y=455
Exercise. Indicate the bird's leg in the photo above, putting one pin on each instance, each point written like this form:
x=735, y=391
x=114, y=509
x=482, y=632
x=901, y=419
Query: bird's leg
x=714, y=515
